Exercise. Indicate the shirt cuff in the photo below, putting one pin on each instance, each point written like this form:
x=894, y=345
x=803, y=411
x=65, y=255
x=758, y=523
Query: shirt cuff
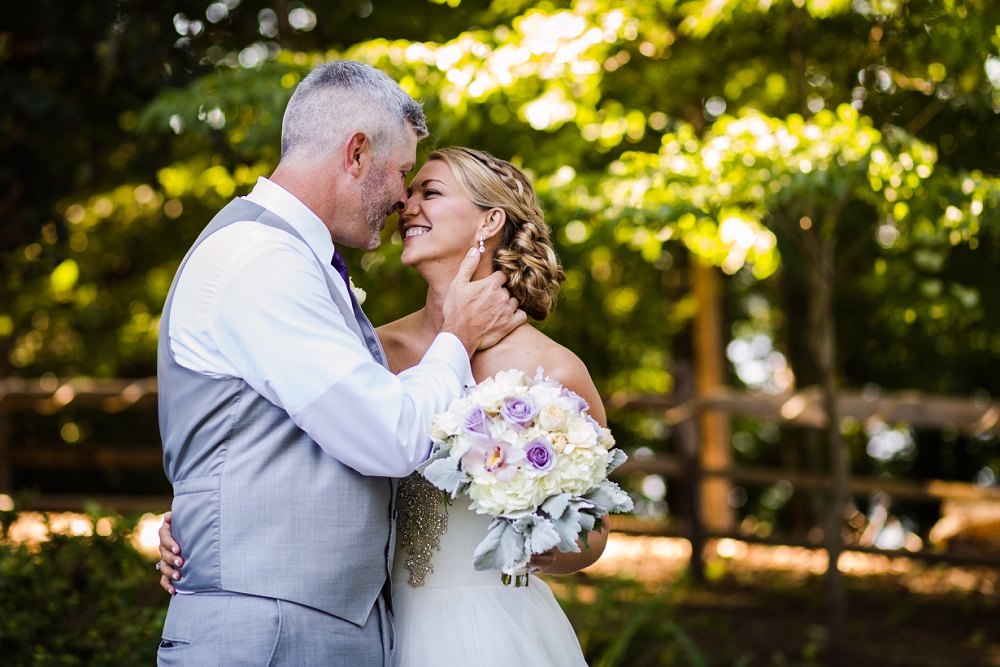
x=450, y=350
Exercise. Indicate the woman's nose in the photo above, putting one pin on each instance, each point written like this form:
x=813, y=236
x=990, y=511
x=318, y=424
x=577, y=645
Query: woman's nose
x=407, y=207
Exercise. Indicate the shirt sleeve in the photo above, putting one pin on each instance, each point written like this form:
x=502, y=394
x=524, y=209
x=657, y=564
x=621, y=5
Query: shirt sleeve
x=278, y=327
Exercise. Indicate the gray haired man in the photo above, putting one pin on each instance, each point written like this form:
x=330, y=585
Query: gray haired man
x=283, y=430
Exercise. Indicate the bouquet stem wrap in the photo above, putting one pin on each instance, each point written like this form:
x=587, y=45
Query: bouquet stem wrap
x=526, y=451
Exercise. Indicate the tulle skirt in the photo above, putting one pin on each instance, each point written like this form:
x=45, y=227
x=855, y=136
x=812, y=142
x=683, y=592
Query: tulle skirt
x=482, y=626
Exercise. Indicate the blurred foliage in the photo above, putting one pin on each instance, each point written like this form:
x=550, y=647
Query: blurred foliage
x=654, y=130
x=753, y=616
x=78, y=601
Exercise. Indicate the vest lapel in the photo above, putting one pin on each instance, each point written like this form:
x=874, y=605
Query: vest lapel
x=368, y=331
x=353, y=315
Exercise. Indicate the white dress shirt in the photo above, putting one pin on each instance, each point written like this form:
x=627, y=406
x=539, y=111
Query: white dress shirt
x=252, y=304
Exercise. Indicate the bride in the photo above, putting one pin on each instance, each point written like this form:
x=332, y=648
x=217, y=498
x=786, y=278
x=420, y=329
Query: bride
x=447, y=614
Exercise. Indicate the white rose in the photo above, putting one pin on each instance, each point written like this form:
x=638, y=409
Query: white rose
x=558, y=441
x=359, y=293
x=449, y=423
x=490, y=395
x=545, y=394
x=552, y=418
x=513, y=381
x=607, y=439
x=580, y=432
x=460, y=445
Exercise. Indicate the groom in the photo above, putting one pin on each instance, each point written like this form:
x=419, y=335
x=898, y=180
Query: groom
x=282, y=427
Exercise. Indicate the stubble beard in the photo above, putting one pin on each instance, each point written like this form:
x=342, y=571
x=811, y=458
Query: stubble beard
x=375, y=202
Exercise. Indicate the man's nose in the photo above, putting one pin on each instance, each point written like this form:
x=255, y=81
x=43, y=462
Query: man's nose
x=400, y=205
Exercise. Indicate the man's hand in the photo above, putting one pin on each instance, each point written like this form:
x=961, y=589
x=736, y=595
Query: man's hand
x=480, y=313
x=170, y=556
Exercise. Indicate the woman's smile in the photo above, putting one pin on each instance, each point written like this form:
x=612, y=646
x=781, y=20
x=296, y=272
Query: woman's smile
x=410, y=232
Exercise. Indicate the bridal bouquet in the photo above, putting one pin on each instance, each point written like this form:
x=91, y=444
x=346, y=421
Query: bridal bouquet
x=527, y=453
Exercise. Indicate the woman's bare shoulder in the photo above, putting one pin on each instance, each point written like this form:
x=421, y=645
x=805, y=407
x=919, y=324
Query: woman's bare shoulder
x=528, y=349
x=398, y=340
x=395, y=331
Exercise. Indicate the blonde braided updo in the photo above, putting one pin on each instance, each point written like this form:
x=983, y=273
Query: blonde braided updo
x=525, y=253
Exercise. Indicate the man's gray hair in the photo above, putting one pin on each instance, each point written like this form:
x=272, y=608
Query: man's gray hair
x=340, y=98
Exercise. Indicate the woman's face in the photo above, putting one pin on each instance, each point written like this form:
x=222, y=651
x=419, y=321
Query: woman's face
x=439, y=224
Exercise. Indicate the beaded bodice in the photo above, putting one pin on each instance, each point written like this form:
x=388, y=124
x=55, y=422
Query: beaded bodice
x=419, y=524
x=435, y=543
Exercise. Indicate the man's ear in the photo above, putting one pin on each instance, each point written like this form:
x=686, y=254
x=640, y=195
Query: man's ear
x=494, y=222
x=357, y=154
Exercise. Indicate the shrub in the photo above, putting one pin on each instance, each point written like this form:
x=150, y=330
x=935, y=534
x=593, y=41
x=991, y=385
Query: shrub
x=90, y=601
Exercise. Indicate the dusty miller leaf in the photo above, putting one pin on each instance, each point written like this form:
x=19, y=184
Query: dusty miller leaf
x=556, y=505
x=617, y=457
x=608, y=497
x=502, y=549
x=445, y=475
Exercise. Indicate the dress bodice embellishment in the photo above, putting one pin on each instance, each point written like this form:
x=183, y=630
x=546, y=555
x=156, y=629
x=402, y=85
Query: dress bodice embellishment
x=420, y=524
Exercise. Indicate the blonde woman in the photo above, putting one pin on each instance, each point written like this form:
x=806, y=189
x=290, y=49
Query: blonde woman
x=446, y=613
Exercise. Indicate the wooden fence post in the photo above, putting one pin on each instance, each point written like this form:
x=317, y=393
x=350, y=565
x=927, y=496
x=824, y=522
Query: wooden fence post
x=6, y=456
x=710, y=373
x=6, y=453
x=686, y=433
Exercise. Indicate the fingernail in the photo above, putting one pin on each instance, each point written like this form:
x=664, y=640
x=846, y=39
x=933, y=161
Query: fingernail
x=472, y=252
x=175, y=576
x=174, y=549
x=178, y=562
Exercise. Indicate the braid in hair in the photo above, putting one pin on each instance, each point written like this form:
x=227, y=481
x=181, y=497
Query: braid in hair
x=525, y=252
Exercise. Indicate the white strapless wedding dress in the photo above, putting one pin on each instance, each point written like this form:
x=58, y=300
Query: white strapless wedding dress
x=456, y=616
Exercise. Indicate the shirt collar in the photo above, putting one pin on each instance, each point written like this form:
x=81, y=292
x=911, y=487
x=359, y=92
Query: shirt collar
x=284, y=204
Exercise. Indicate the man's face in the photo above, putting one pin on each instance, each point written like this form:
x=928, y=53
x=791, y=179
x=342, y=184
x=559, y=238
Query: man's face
x=383, y=189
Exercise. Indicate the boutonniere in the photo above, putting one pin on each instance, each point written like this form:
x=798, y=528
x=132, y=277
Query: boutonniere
x=359, y=293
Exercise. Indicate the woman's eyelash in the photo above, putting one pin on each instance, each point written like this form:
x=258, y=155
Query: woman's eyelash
x=431, y=192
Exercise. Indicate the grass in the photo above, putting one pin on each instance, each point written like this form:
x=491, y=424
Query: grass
x=756, y=617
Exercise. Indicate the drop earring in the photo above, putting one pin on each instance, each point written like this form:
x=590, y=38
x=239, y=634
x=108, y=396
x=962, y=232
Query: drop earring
x=482, y=244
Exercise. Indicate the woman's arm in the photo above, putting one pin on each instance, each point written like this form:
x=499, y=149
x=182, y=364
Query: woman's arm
x=568, y=370
x=558, y=562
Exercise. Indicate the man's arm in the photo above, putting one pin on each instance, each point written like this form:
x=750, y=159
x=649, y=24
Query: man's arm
x=276, y=324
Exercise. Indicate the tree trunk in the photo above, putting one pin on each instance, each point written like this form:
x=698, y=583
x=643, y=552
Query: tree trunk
x=823, y=334
x=710, y=372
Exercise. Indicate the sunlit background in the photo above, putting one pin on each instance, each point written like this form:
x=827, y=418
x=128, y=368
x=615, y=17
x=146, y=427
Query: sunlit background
x=723, y=178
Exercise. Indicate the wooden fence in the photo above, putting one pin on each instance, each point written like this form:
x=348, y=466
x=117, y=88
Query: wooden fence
x=923, y=411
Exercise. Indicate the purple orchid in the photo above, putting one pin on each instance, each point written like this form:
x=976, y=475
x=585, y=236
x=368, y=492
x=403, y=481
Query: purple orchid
x=493, y=456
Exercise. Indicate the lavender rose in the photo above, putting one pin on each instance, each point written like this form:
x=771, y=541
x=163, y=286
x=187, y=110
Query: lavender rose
x=476, y=421
x=540, y=455
x=518, y=412
x=581, y=404
x=593, y=422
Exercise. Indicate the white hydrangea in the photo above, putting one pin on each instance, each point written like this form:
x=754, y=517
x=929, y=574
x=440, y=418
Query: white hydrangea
x=580, y=450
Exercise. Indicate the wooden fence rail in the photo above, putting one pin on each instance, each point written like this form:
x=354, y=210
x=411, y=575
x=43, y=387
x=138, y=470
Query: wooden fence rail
x=921, y=411
x=804, y=408
x=920, y=490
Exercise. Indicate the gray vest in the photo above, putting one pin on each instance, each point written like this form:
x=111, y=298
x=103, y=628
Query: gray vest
x=259, y=508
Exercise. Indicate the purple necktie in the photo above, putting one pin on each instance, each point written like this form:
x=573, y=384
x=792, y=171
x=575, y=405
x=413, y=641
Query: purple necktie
x=339, y=264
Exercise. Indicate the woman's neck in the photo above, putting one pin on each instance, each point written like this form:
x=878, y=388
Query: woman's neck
x=438, y=283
